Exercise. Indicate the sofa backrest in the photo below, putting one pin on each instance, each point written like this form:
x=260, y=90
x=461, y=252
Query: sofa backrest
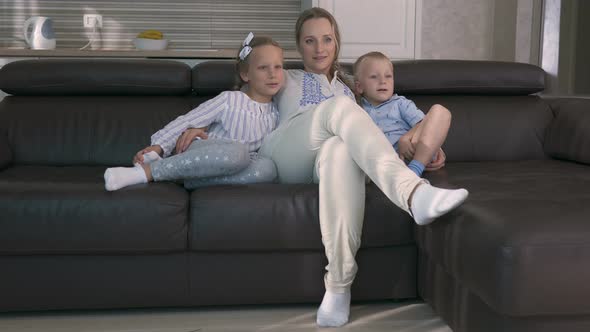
x=89, y=112
x=100, y=112
x=495, y=114
x=416, y=77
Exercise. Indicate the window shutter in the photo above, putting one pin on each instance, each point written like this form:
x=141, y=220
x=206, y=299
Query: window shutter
x=187, y=24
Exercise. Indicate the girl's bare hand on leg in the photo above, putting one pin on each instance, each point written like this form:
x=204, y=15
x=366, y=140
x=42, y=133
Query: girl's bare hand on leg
x=188, y=136
x=138, y=158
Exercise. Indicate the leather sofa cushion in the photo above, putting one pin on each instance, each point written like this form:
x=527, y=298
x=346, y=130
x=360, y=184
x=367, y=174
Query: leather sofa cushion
x=568, y=136
x=521, y=240
x=271, y=217
x=66, y=210
x=5, y=153
x=210, y=78
x=95, y=77
x=76, y=130
x=486, y=128
x=467, y=77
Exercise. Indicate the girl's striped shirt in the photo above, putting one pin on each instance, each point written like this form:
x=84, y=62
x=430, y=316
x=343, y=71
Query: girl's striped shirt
x=232, y=115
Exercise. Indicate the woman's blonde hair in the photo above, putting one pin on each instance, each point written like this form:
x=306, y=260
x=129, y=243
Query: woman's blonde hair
x=242, y=64
x=317, y=12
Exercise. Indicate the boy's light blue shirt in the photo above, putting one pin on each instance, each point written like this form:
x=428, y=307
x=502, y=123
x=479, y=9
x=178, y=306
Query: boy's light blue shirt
x=395, y=117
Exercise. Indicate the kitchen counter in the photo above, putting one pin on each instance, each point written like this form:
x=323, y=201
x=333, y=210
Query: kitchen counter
x=172, y=54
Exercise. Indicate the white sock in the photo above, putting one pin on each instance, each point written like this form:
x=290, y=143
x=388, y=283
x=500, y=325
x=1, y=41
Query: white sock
x=149, y=158
x=334, y=310
x=429, y=202
x=118, y=177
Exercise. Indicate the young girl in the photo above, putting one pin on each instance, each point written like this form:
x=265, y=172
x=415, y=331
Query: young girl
x=324, y=136
x=237, y=122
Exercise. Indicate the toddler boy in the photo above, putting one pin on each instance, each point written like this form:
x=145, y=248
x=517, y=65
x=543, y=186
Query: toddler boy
x=416, y=137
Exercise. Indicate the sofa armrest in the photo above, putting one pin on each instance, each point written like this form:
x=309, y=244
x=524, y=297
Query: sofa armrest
x=568, y=136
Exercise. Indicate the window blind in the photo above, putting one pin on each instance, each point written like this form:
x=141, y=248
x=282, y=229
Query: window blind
x=187, y=24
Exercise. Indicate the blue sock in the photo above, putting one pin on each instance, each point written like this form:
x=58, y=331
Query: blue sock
x=417, y=167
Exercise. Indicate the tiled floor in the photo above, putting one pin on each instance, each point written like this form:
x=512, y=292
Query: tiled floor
x=365, y=317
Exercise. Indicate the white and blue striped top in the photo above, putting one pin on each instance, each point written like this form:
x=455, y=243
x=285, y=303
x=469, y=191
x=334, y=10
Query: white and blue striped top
x=231, y=115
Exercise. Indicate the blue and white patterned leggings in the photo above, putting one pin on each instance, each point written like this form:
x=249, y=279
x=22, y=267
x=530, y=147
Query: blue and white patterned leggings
x=214, y=162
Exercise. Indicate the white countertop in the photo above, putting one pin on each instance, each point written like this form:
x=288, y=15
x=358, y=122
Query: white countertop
x=178, y=54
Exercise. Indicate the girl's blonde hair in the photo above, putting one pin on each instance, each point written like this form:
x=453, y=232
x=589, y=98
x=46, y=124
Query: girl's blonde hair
x=317, y=12
x=242, y=64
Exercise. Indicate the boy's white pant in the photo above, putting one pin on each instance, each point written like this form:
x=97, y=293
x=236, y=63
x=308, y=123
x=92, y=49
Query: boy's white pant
x=338, y=144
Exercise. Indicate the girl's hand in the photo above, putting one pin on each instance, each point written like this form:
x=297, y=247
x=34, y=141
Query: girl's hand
x=138, y=158
x=188, y=137
x=438, y=162
x=406, y=148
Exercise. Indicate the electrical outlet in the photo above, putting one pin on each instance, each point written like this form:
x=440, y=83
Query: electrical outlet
x=92, y=20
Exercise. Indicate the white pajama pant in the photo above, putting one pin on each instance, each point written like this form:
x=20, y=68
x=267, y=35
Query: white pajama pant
x=338, y=143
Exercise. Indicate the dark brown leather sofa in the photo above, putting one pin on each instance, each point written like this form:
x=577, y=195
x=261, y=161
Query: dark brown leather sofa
x=512, y=258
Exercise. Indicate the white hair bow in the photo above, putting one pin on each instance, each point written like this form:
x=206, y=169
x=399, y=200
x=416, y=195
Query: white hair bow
x=246, y=47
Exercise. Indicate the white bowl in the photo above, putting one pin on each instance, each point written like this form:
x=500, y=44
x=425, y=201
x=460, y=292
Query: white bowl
x=146, y=44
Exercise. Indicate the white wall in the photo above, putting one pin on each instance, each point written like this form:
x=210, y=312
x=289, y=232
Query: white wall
x=374, y=25
x=457, y=29
x=506, y=30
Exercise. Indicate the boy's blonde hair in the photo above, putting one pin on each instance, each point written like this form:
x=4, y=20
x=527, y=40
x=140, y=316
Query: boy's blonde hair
x=356, y=67
x=242, y=64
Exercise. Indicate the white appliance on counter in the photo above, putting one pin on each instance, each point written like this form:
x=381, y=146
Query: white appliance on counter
x=41, y=35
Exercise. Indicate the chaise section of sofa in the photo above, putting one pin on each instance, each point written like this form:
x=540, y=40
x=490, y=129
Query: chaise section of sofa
x=512, y=257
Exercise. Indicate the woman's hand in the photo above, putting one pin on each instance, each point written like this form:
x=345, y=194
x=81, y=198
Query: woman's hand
x=188, y=136
x=438, y=162
x=138, y=158
x=406, y=148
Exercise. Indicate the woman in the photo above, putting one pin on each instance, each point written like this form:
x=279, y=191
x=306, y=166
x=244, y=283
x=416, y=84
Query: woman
x=323, y=136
